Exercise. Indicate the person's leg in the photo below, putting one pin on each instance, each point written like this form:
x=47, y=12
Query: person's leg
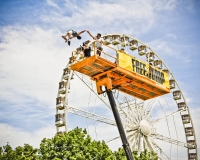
x=69, y=34
x=99, y=50
x=64, y=36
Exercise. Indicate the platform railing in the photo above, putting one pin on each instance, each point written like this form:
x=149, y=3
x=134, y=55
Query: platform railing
x=78, y=54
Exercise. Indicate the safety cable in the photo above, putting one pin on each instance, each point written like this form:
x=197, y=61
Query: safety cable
x=167, y=125
x=173, y=121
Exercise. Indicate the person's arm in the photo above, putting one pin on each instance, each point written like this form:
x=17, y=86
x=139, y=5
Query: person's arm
x=71, y=37
x=91, y=35
x=81, y=32
x=101, y=40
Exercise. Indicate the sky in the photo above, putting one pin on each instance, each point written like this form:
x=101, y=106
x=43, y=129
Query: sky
x=33, y=54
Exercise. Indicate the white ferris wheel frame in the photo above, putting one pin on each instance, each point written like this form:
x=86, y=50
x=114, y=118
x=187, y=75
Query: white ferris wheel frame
x=192, y=148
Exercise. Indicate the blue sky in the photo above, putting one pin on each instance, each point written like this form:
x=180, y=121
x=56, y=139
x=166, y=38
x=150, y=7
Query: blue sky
x=33, y=54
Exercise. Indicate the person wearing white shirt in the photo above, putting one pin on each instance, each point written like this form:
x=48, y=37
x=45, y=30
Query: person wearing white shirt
x=98, y=42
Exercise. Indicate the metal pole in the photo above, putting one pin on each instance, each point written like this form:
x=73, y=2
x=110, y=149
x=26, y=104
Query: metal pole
x=125, y=143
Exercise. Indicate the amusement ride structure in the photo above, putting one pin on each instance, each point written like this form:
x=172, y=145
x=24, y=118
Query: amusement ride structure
x=135, y=85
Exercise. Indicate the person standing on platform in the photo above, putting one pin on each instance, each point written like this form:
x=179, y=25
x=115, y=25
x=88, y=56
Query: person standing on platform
x=98, y=42
x=86, y=50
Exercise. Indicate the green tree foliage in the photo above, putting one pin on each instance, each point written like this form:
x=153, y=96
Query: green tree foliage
x=147, y=156
x=120, y=155
x=20, y=153
x=74, y=145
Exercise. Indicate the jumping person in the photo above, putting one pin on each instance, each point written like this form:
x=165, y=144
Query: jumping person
x=98, y=43
x=71, y=34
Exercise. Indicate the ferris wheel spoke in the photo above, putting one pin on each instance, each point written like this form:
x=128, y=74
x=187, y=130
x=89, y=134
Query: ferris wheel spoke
x=128, y=102
x=162, y=152
x=113, y=139
x=140, y=108
x=141, y=143
x=132, y=118
x=125, y=113
x=84, y=78
x=136, y=112
x=147, y=110
x=172, y=141
x=130, y=133
x=96, y=117
x=131, y=137
x=129, y=112
x=166, y=116
x=90, y=115
x=143, y=109
x=149, y=143
x=93, y=91
x=147, y=107
x=127, y=119
x=152, y=107
x=133, y=140
x=122, y=110
x=131, y=126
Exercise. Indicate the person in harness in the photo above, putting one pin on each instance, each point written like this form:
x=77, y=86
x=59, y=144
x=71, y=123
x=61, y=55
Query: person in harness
x=71, y=34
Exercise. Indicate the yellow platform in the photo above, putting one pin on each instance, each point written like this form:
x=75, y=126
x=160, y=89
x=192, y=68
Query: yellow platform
x=113, y=76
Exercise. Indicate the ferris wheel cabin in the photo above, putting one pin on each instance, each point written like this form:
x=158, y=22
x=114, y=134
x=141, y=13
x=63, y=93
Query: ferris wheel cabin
x=126, y=74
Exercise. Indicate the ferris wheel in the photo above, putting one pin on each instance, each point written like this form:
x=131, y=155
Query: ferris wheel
x=152, y=108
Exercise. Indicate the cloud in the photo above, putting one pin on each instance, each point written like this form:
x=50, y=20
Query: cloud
x=18, y=137
x=171, y=35
x=105, y=132
x=165, y=5
x=138, y=17
x=52, y=3
x=31, y=66
x=192, y=6
x=165, y=49
x=29, y=56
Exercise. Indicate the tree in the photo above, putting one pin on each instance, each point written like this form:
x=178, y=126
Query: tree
x=20, y=153
x=148, y=155
x=120, y=155
x=74, y=145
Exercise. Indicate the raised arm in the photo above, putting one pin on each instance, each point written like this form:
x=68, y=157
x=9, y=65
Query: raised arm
x=91, y=35
x=81, y=32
